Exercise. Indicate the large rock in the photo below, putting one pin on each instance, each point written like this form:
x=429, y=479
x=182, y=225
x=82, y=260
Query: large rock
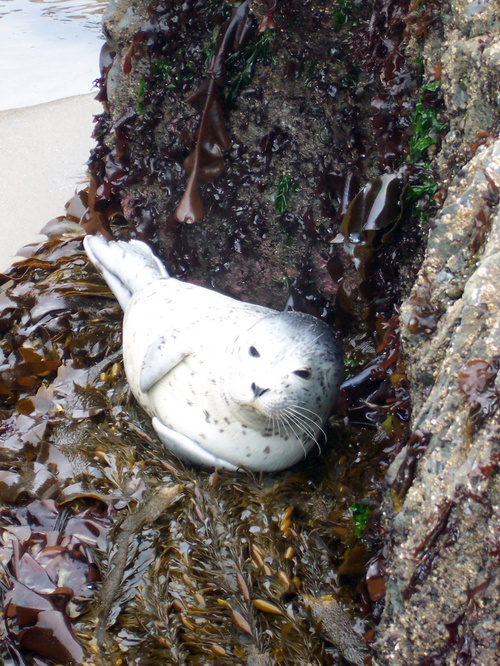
x=442, y=505
x=293, y=111
x=443, y=598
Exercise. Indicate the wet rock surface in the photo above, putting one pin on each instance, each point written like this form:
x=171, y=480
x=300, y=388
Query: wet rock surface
x=322, y=139
x=443, y=511
x=442, y=599
x=258, y=127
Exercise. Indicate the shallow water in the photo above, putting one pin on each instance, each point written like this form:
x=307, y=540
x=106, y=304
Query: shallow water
x=49, y=49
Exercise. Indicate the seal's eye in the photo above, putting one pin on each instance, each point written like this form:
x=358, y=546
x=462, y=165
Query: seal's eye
x=253, y=352
x=303, y=374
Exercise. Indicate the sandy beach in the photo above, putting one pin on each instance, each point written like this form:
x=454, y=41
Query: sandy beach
x=43, y=159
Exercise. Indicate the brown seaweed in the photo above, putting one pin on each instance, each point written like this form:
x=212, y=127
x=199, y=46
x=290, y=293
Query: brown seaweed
x=370, y=219
x=157, y=503
x=49, y=575
x=206, y=162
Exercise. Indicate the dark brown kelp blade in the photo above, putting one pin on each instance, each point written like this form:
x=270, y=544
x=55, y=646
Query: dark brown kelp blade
x=371, y=216
x=37, y=626
x=205, y=163
x=48, y=569
x=367, y=227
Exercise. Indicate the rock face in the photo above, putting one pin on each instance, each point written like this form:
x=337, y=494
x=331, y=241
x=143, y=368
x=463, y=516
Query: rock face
x=443, y=505
x=274, y=121
x=470, y=57
x=443, y=588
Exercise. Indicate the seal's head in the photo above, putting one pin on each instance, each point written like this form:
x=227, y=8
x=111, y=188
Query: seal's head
x=286, y=375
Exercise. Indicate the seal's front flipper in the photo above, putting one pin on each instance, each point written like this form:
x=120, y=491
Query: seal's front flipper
x=162, y=356
x=186, y=449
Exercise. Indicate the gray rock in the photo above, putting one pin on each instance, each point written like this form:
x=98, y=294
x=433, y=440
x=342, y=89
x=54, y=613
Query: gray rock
x=443, y=596
x=442, y=602
x=475, y=17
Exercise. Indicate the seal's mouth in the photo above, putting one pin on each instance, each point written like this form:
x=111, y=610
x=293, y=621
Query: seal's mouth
x=253, y=412
x=288, y=421
x=260, y=415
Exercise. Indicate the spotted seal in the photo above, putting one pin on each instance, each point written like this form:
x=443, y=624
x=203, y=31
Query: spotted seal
x=228, y=384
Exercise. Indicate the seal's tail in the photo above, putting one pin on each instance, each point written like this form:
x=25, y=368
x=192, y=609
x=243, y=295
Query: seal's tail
x=126, y=267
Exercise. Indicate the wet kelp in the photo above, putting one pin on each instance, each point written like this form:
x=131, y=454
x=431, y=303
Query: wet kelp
x=235, y=567
x=298, y=108
x=205, y=162
x=49, y=576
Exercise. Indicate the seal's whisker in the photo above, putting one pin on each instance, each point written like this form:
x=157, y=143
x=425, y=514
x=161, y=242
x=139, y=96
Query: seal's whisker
x=314, y=419
x=304, y=427
x=287, y=418
x=311, y=342
x=289, y=424
x=311, y=411
x=317, y=421
x=299, y=420
x=310, y=430
x=276, y=425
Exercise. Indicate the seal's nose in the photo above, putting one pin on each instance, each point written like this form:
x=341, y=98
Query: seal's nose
x=257, y=391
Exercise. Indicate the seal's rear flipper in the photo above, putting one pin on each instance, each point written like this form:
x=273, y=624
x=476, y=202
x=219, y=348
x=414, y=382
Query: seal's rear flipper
x=125, y=266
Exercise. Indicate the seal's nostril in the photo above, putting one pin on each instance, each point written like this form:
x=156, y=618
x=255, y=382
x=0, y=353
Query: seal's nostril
x=257, y=391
